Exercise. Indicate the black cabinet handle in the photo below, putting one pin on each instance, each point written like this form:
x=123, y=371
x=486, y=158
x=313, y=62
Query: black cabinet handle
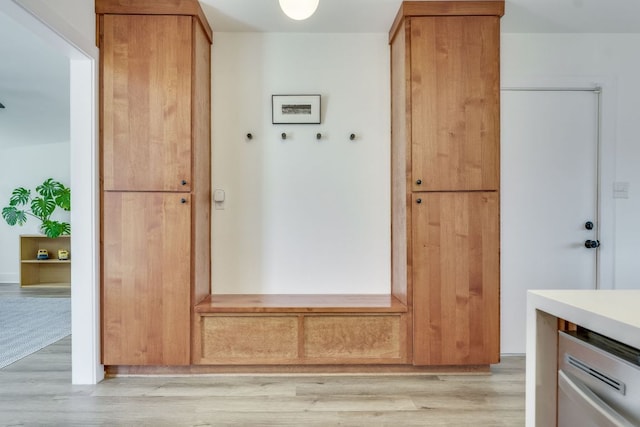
x=183, y=182
x=419, y=182
x=418, y=201
x=183, y=200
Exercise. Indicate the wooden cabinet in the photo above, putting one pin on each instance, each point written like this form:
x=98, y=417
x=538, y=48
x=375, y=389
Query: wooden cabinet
x=455, y=99
x=445, y=152
x=455, y=274
x=146, y=87
x=147, y=268
x=44, y=272
x=156, y=180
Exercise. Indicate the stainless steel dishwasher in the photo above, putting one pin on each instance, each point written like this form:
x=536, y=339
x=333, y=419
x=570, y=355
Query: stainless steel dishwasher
x=598, y=381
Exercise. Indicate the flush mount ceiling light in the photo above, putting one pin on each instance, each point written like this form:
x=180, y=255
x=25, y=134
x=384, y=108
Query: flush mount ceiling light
x=299, y=9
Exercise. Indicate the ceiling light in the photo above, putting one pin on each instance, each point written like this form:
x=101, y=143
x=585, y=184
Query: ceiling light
x=299, y=9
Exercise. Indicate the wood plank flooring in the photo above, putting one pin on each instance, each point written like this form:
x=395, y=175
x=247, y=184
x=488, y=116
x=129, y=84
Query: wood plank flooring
x=37, y=390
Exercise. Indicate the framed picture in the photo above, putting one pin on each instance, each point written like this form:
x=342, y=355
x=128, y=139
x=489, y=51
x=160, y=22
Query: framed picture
x=295, y=109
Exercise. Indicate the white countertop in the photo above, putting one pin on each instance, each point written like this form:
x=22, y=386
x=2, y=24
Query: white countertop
x=612, y=313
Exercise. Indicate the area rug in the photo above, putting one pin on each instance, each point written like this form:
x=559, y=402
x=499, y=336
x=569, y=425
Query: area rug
x=30, y=324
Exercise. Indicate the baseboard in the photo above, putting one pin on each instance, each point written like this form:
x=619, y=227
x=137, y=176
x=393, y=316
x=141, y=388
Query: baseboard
x=116, y=371
x=9, y=278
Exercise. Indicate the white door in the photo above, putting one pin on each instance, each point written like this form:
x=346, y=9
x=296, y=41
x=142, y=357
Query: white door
x=549, y=193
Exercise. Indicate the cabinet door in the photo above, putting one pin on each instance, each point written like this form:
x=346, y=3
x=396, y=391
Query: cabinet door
x=456, y=271
x=455, y=93
x=146, y=278
x=146, y=102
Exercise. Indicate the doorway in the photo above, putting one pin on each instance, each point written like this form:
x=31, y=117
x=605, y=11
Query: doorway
x=80, y=48
x=550, y=198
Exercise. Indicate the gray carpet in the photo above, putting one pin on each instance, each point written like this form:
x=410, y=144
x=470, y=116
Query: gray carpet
x=29, y=324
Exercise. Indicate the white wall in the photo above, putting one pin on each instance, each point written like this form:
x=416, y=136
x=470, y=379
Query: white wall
x=27, y=166
x=301, y=215
x=610, y=58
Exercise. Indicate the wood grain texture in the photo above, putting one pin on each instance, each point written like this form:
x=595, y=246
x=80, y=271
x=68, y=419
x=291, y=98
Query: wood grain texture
x=155, y=7
x=455, y=79
x=367, y=339
x=201, y=191
x=449, y=137
x=456, y=276
x=145, y=278
x=400, y=163
x=201, y=160
x=445, y=8
x=36, y=391
x=156, y=137
x=300, y=339
x=292, y=369
x=146, y=105
x=300, y=303
x=249, y=339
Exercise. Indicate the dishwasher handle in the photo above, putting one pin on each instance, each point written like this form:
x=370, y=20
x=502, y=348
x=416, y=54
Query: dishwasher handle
x=585, y=399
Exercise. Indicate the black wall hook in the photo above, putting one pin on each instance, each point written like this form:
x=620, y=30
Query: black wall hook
x=284, y=135
x=249, y=136
x=318, y=136
x=352, y=136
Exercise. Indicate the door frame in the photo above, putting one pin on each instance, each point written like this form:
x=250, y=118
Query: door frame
x=606, y=155
x=55, y=31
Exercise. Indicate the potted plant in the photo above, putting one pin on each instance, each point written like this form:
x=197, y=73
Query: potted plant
x=50, y=195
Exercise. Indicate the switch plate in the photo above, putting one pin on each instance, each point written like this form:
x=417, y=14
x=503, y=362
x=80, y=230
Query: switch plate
x=218, y=199
x=620, y=190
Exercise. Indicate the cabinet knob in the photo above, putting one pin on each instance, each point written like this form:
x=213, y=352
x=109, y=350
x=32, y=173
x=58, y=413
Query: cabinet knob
x=418, y=201
x=419, y=182
x=183, y=182
x=183, y=200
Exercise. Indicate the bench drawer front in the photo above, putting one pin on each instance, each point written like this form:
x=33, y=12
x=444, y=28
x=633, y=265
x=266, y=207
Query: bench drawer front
x=250, y=339
x=303, y=339
x=354, y=339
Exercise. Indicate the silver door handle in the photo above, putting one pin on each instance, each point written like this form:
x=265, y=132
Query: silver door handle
x=588, y=402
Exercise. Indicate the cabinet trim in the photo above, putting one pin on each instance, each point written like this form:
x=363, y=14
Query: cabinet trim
x=155, y=7
x=445, y=8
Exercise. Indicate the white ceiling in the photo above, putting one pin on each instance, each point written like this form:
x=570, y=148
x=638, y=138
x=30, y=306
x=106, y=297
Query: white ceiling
x=521, y=16
x=34, y=88
x=34, y=80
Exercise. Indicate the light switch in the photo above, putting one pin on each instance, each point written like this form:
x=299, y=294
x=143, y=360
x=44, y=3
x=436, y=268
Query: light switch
x=218, y=199
x=620, y=190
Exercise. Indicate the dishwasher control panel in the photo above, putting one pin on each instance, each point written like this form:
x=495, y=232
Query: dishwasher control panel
x=598, y=381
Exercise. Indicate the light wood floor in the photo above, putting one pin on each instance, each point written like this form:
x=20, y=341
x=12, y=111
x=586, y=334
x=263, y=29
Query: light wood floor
x=37, y=390
x=14, y=290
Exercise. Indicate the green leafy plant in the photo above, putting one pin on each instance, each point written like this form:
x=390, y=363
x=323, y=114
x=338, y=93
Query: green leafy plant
x=50, y=195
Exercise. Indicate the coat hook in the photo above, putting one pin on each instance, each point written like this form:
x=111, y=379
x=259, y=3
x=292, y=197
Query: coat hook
x=249, y=136
x=284, y=135
x=318, y=136
x=352, y=136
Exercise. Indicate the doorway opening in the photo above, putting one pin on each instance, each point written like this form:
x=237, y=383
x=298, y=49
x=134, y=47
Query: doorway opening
x=83, y=55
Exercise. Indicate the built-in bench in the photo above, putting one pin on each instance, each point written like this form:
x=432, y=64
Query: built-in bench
x=300, y=330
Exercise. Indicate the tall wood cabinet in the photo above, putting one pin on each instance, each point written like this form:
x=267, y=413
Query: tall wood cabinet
x=445, y=65
x=155, y=170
